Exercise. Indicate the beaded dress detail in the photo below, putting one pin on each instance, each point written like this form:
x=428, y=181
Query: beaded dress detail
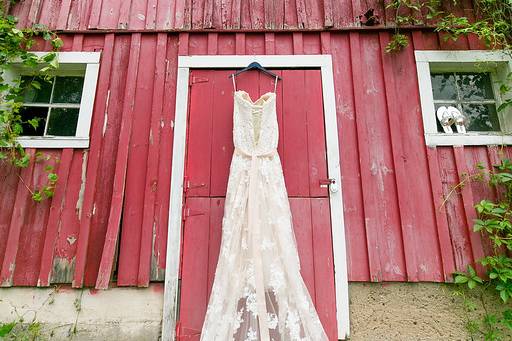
x=258, y=292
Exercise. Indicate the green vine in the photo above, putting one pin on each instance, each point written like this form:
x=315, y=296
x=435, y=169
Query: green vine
x=494, y=223
x=493, y=23
x=15, y=45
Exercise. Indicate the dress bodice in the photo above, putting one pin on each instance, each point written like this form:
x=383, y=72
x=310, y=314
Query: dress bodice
x=255, y=128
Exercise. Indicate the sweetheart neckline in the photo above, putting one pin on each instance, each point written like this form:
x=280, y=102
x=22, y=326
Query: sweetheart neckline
x=253, y=103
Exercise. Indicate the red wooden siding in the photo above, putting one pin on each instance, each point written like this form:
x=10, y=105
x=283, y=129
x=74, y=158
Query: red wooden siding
x=206, y=14
x=112, y=199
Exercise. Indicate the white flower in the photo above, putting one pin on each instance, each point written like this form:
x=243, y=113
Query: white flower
x=251, y=335
x=252, y=304
x=272, y=320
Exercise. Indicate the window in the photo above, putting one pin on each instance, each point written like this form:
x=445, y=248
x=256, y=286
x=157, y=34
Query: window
x=460, y=96
x=62, y=105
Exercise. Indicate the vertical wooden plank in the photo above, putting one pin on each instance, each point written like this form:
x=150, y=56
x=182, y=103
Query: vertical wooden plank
x=151, y=13
x=443, y=232
x=31, y=237
x=111, y=238
x=197, y=12
x=453, y=207
x=379, y=191
x=269, y=43
x=165, y=14
x=357, y=252
x=208, y=14
x=148, y=223
x=198, y=162
x=52, y=228
x=109, y=16
x=21, y=203
x=64, y=249
x=469, y=209
x=8, y=187
x=123, y=21
x=325, y=292
x=195, y=266
x=290, y=14
x=255, y=44
x=303, y=229
x=215, y=236
x=316, y=149
x=137, y=167
x=94, y=161
x=221, y=151
x=164, y=167
x=106, y=129
x=295, y=139
x=137, y=14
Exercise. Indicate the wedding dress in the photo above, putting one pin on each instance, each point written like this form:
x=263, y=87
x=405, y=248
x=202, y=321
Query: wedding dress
x=258, y=292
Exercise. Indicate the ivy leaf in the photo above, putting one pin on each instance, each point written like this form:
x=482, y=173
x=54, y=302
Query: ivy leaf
x=461, y=279
x=37, y=196
x=53, y=177
x=6, y=328
x=57, y=43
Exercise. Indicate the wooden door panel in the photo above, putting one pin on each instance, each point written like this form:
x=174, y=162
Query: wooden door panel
x=199, y=136
x=194, y=267
x=302, y=149
x=202, y=237
x=222, y=136
x=301, y=129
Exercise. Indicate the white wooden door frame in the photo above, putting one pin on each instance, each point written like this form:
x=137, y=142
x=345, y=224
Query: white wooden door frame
x=185, y=63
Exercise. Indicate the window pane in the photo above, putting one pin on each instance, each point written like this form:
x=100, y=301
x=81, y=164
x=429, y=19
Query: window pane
x=481, y=117
x=475, y=86
x=63, y=121
x=29, y=113
x=443, y=86
x=33, y=95
x=68, y=90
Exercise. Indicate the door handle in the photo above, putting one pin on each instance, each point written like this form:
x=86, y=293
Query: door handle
x=330, y=183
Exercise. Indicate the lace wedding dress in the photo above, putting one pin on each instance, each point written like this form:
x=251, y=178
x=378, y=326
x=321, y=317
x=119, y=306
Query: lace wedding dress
x=258, y=292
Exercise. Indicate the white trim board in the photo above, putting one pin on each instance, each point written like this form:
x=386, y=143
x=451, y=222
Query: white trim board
x=185, y=63
x=497, y=62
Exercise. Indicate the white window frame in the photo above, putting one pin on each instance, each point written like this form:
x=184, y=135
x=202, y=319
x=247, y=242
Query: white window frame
x=90, y=62
x=185, y=63
x=498, y=63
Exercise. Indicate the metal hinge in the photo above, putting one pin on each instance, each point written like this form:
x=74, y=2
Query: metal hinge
x=195, y=80
x=187, y=212
x=189, y=185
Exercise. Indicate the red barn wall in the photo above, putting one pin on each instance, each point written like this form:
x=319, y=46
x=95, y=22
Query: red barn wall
x=392, y=183
x=210, y=14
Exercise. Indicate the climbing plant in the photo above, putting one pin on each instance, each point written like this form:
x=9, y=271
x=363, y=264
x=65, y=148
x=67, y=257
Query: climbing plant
x=15, y=46
x=492, y=22
x=494, y=222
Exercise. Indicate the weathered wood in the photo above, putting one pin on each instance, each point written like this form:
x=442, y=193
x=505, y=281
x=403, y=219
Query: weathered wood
x=109, y=248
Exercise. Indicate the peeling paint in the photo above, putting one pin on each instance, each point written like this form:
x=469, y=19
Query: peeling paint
x=63, y=270
x=71, y=240
x=105, y=119
x=81, y=193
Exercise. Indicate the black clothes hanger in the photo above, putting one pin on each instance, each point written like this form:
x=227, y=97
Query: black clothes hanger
x=257, y=66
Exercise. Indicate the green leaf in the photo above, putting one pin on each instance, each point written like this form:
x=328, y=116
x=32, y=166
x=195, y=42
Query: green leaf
x=6, y=328
x=504, y=296
x=57, y=43
x=53, y=177
x=37, y=196
x=461, y=279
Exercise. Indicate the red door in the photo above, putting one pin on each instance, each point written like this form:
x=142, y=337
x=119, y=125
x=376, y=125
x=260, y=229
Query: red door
x=209, y=150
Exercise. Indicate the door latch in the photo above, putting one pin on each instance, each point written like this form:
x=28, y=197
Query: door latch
x=330, y=183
